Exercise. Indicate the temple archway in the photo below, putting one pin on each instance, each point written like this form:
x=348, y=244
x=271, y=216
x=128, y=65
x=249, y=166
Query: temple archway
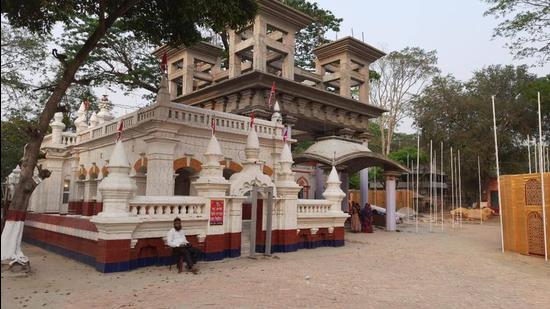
x=186, y=170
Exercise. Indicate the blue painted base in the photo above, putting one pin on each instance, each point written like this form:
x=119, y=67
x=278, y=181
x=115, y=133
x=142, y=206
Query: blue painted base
x=126, y=265
x=301, y=245
x=169, y=260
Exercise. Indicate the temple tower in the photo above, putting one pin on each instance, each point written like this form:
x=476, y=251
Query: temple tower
x=268, y=44
x=344, y=66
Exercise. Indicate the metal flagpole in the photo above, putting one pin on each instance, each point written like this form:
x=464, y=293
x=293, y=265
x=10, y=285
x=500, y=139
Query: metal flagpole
x=417, y=174
x=452, y=189
x=459, y=188
x=529, y=151
x=542, y=183
x=442, y=182
x=431, y=187
x=498, y=173
x=479, y=185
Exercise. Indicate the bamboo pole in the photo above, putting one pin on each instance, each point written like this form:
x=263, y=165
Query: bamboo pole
x=452, y=189
x=479, y=187
x=417, y=174
x=431, y=188
x=435, y=188
x=529, y=151
x=459, y=188
x=500, y=212
x=542, y=182
x=442, y=195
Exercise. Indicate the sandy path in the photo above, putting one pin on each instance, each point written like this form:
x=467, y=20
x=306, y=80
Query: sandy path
x=451, y=269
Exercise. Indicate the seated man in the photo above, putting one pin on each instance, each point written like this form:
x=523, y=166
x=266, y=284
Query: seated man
x=182, y=248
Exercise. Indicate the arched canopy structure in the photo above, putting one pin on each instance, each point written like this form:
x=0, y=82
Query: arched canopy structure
x=352, y=154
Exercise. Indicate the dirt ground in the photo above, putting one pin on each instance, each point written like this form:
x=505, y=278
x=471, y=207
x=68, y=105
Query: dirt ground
x=451, y=269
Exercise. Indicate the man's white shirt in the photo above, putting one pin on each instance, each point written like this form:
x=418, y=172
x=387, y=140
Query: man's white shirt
x=176, y=238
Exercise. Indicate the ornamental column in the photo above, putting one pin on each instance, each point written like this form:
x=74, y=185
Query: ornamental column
x=160, y=165
x=391, y=177
x=364, y=175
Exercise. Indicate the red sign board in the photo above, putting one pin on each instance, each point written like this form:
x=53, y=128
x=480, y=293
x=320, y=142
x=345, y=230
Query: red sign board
x=216, y=212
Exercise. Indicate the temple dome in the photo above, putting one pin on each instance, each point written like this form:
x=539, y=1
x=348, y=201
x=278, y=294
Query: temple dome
x=354, y=155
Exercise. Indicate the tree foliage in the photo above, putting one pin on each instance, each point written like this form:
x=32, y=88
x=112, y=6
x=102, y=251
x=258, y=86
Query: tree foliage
x=526, y=23
x=403, y=75
x=23, y=61
x=313, y=35
x=460, y=115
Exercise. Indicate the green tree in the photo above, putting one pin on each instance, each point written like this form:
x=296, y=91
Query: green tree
x=13, y=141
x=526, y=23
x=23, y=57
x=403, y=75
x=156, y=22
x=313, y=35
x=459, y=114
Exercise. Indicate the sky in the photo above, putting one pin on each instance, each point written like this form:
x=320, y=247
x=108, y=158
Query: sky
x=457, y=29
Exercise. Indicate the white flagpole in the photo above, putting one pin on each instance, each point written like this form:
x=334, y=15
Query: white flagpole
x=498, y=174
x=529, y=151
x=431, y=187
x=479, y=186
x=459, y=188
x=442, y=182
x=452, y=189
x=417, y=174
x=542, y=183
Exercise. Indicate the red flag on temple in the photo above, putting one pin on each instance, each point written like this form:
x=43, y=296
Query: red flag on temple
x=119, y=130
x=271, y=94
x=86, y=104
x=164, y=63
x=213, y=125
x=251, y=119
x=285, y=135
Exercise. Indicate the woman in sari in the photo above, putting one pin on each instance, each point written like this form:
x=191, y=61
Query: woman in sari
x=366, y=219
x=355, y=220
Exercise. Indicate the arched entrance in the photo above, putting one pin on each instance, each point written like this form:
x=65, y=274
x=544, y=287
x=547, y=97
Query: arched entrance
x=182, y=183
x=535, y=233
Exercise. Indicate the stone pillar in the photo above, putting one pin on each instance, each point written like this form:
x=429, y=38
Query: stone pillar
x=160, y=166
x=345, y=76
x=364, y=88
x=390, y=200
x=288, y=62
x=364, y=186
x=319, y=183
x=234, y=59
x=260, y=48
x=345, y=187
x=188, y=70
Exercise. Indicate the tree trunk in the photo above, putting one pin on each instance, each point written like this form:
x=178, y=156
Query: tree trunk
x=13, y=232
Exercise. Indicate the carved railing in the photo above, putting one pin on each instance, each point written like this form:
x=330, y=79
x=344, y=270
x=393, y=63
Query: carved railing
x=188, y=115
x=313, y=207
x=68, y=138
x=168, y=207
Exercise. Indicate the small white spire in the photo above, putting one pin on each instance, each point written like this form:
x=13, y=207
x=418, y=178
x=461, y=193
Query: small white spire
x=333, y=177
x=213, y=146
x=104, y=110
x=118, y=157
x=163, y=95
x=276, y=116
x=93, y=120
x=286, y=154
x=80, y=121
